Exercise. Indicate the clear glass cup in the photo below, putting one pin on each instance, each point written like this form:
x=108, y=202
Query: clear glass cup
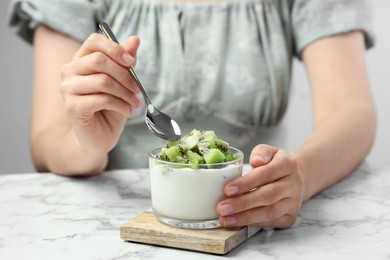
x=184, y=197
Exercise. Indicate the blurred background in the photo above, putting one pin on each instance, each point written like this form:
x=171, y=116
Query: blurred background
x=16, y=60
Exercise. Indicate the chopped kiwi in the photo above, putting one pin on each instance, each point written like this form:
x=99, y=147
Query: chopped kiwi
x=208, y=136
x=195, y=159
x=213, y=155
x=229, y=156
x=163, y=156
x=219, y=144
x=172, y=143
x=192, y=139
x=173, y=153
x=196, y=148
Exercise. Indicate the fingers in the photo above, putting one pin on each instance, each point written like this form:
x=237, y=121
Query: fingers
x=262, y=196
x=131, y=45
x=98, y=84
x=261, y=155
x=280, y=166
x=268, y=216
x=270, y=195
x=97, y=63
x=86, y=106
x=99, y=54
x=98, y=73
x=99, y=43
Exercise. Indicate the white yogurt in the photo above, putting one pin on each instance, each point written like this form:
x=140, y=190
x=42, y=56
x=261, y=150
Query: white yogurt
x=188, y=194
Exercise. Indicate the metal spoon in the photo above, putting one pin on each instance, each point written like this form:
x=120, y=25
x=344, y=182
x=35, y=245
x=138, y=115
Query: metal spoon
x=158, y=123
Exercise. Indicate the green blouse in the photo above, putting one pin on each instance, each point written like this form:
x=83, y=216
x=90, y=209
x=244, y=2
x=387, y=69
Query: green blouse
x=224, y=66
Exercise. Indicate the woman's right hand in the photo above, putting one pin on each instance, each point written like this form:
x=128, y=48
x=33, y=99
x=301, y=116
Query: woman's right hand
x=98, y=91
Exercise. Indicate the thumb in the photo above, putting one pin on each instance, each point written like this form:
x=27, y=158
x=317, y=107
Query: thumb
x=131, y=45
x=262, y=154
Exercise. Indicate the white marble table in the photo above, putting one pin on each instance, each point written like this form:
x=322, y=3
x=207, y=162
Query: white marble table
x=44, y=216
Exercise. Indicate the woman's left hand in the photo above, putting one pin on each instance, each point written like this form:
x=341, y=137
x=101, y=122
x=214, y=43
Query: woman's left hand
x=268, y=196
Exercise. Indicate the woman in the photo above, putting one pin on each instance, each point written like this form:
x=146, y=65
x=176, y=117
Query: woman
x=222, y=65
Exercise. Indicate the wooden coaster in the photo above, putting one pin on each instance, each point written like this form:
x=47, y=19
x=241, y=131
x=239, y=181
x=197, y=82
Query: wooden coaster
x=145, y=228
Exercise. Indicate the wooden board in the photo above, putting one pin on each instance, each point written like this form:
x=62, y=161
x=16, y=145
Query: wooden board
x=145, y=228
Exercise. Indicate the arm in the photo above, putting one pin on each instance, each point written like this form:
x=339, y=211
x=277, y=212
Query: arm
x=344, y=128
x=53, y=143
x=80, y=95
x=344, y=113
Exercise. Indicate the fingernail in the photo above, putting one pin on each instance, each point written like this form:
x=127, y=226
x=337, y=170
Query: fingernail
x=127, y=58
x=226, y=209
x=261, y=158
x=230, y=191
x=230, y=221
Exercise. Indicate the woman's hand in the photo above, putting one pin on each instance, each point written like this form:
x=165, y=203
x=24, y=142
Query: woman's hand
x=269, y=196
x=98, y=91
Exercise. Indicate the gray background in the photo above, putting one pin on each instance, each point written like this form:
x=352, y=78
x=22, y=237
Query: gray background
x=16, y=60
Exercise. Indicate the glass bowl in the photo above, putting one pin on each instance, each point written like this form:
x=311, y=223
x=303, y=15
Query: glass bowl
x=185, y=197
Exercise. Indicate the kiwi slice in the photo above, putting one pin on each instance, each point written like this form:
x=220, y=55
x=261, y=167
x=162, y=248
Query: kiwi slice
x=163, y=156
x=213, y=155
x=195, y=159
x=173, y=153
x=229, y=156
x=196, y=148
x=192, y=139
x=208, y=136
x=172, y=143
x=219, y=144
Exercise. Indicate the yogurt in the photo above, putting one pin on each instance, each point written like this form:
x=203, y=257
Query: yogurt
x=189, y=194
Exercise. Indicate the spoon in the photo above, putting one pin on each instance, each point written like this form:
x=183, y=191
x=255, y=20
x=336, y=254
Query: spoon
x=158, y=123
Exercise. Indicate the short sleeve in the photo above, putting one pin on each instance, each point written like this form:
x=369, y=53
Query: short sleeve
x=76, y=18
x=315, y=19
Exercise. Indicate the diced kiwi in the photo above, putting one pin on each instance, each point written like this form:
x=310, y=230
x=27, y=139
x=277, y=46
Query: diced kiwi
x=172, y=143
x=208, y=136
x=163, y=156
x=183, y=149
x=219, y=144
x=229, y=156
x=195, y=159
x=191, y=141
x=196, y=148
x=213, y=155
x=181, y=159
x=193, y=133
x=173, y=152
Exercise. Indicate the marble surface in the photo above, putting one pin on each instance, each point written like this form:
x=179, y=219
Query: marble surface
x=44, y=216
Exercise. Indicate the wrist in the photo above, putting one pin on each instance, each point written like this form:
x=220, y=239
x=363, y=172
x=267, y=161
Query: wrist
x=307, y=191
x=86, y=160
x=58, y=150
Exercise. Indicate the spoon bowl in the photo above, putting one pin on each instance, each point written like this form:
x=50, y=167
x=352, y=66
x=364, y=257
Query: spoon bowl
x=161, y=125
x=158, y=123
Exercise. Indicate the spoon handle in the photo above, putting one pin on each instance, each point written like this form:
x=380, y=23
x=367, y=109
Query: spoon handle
x=110, y=35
